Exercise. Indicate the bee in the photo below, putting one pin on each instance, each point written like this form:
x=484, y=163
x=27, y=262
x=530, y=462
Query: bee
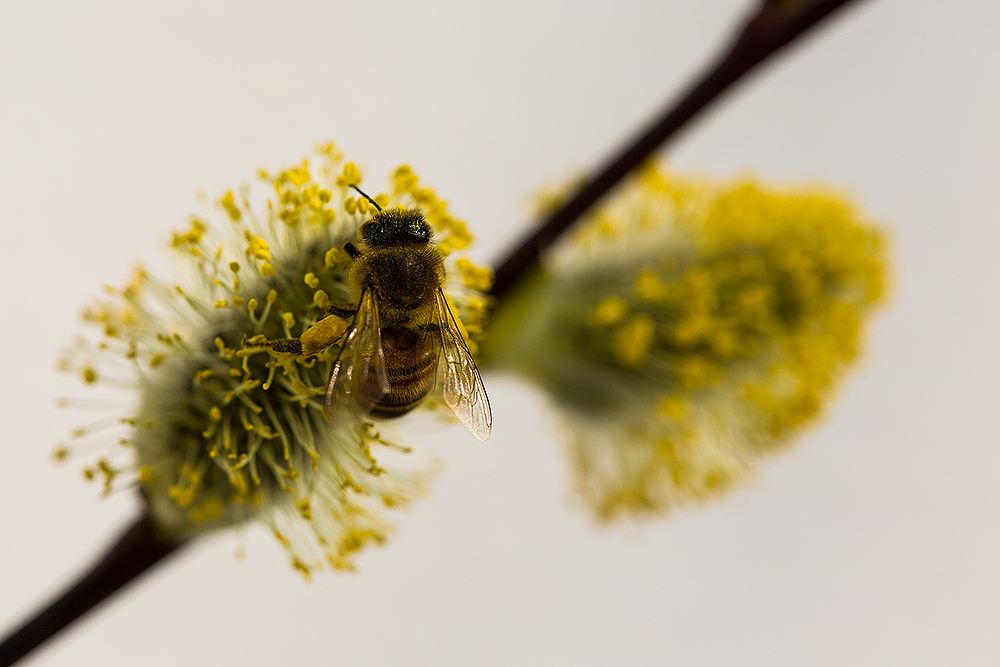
x=403, y=339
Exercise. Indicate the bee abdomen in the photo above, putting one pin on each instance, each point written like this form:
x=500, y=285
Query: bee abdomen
x=407, y=387
x=411, y=366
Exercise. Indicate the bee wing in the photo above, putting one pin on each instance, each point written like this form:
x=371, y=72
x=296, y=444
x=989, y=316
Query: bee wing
x=462, y=389
x=358, y=377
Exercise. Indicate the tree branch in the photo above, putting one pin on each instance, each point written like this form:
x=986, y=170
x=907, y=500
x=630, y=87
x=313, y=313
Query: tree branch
x=137, y=551
x=775, y=25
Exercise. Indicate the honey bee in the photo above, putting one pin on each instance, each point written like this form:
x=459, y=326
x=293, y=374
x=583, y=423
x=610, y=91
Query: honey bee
x=403, y=339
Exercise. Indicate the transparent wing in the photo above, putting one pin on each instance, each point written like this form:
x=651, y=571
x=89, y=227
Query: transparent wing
x=358, y=379
x=462, y=388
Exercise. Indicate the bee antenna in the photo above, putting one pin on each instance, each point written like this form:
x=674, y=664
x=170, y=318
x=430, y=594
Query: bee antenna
x=373, y=202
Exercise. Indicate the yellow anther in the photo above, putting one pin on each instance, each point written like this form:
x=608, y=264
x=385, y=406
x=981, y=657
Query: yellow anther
x=610, y=311
x=633, y=341
x=673, y=407
x=211, y=508
x=258, y=248
x=228, y=202
x=479, y=278
x=192, y=236
x=330, y=258
x=352, y=175
x=305, y=509
x=648, y=285
x=299, y=176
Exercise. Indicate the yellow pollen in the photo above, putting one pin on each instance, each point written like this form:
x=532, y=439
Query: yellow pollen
x=229, y=203
x=351, y=176
x=258, y=248
x=305, y=509
x=610, y=311
x=330, y=258
x=477, y=277
x=299, y=176
x=648, y=285
x=673, y=407
x=211, y=508
x=302, y=568
x=634, y=340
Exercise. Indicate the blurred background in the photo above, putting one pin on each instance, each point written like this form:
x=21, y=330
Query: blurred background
x=874, y=541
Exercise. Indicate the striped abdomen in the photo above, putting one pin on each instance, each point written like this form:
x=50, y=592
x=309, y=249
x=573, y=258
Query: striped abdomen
x=411, y=359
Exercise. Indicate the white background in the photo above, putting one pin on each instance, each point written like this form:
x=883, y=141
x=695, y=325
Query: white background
x=873, y=542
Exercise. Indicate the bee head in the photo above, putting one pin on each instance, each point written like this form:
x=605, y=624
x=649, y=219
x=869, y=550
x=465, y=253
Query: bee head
x=396, y=226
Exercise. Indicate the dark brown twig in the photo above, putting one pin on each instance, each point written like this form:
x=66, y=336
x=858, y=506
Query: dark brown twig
x=767, y=32
x=137, y=552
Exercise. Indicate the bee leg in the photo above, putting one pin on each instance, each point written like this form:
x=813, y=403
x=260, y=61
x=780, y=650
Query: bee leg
x=285, y=346
x=328, y=330
x=351, y=250
x=279, y=348
x=339, y=311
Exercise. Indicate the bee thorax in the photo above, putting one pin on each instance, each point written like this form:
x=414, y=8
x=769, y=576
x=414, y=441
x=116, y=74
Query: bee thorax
x=403, y=280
